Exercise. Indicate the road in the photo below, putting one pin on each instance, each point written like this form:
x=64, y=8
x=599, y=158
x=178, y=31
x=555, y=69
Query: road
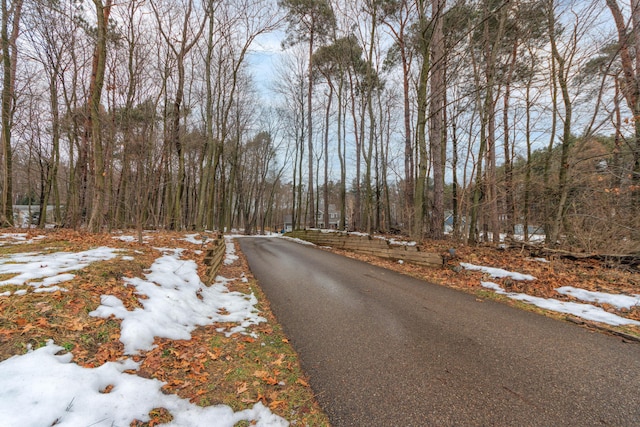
x=383, y=349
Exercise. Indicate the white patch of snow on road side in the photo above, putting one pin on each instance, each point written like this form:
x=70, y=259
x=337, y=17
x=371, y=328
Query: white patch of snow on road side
x=585, y=311
x=497, y=273
x=44, y=270
x=176, y=303
x=43, y=388
x=197, y=238
x=494, y=287
x=230, y=255
x=617, y=300
x=542, y=260
x=401, y=242
x=295, y=239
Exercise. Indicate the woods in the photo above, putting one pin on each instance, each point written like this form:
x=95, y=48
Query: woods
x=475, y=118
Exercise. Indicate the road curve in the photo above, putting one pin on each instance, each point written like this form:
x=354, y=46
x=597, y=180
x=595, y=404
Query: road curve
x=383, y=349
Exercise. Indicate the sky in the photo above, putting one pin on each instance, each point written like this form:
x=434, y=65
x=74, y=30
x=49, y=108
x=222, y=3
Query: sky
x=45, y=387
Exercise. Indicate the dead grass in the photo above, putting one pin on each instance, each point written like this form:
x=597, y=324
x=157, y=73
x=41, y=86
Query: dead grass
x=208, y=369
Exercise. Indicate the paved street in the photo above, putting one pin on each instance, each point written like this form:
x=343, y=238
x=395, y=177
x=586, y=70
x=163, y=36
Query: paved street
x=383, y=349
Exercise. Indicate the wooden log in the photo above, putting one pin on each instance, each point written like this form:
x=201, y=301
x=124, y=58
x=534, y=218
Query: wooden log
x=213, y=259
x=369, y=245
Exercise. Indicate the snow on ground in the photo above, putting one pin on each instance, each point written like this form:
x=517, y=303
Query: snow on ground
x=497, y=273
x=17, y=238
x=128, y=239
x=176, y=303
x=46, y=270
x=44, y=387
x=619, y=301
x=230, y=256
x=295, y=239
x=391, y=241
x=585, y=311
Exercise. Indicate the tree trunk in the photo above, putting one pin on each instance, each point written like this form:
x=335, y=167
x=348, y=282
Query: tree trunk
x=326, y=158
x=631, y=86
x=421, y=126
x=437, y=134
x=97, y=219
x=9, y=66
x=312, y=206
x=567, y=140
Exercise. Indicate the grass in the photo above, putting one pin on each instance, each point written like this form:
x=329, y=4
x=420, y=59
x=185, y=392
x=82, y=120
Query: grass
x=209, y=369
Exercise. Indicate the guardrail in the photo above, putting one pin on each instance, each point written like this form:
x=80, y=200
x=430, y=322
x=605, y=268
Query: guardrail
x=366, y=244
x=213, y=258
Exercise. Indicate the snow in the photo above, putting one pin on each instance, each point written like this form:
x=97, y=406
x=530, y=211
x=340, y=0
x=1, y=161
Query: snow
x=295, y=239
x=196, y=239
x=44, y=387
x=617, y=300
x=497, y=273
x=17, y=238
x=542, y=260
x=585, y=311
x=230, y=256
x=45, y=270
x=391, y=241
x=128, y=239
x=176, y=303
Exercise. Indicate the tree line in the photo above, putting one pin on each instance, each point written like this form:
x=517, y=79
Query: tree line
x=483, y=118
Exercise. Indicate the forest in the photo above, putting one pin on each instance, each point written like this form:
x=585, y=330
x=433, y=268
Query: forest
x=477, y=120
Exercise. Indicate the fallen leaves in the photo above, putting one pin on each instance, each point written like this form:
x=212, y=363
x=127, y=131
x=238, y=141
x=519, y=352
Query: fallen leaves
x=550, y=274
x=208, y=369
x=242, y=387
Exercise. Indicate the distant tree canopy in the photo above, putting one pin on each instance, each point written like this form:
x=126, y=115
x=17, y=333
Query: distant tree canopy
x=487, y=116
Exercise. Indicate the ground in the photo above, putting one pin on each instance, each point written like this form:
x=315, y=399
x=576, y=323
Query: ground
x=239, y=370
x=550, y=274
x=255, y=366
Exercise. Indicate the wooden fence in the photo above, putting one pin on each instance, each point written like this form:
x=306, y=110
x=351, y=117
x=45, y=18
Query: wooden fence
x=365, y=244
x=213, y=258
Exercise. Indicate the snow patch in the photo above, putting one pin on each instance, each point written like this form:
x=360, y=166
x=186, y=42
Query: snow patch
x=43, y=388
x=585, y=311
x=497, y=273
x=617, y=300
x=176, y=302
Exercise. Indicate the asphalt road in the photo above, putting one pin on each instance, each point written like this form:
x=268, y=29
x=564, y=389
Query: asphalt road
x=383, y=349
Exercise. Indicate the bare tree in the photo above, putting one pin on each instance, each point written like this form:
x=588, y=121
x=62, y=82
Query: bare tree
x=10, y=16
x=628, y=40
x=310, y=21
x=187, y=35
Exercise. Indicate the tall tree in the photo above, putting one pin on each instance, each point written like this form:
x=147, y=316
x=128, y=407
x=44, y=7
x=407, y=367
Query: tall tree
x=629, y=39
x=489, y=35
x=336, y=62
x=437, y=133
x=397, y=16
x=10, y=16
x=180, y=43
x=94, y=125
x=424, y=41
x=310, y=21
